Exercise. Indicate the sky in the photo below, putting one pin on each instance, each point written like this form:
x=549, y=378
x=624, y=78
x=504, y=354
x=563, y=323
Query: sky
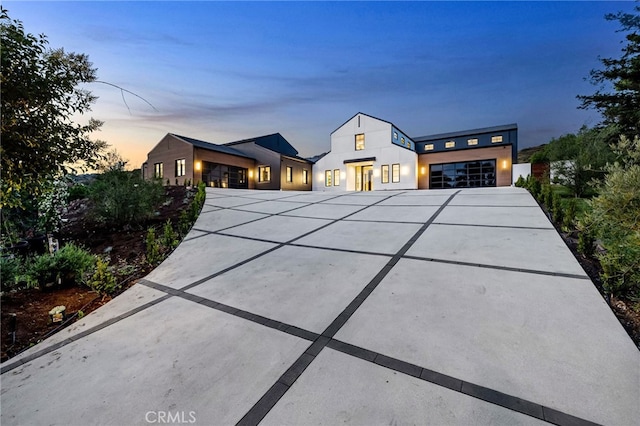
x=225, y=71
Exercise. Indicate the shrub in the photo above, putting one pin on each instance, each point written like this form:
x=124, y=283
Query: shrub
x=614, y=218
x=153, y=249
x=12, y=273
x=169, y=237
x=570, y=213
x=122, y=198
x=73, y=262
x=546, y=195
x=78, y=192
x=70, y=265
x=520, y=182
x=102, y=280
x=556, y=207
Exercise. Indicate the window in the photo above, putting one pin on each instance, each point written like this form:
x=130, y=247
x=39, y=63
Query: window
x=402, y=141
x=305, y=176
x=289, y=174
x=472, y=141
x=408, y=144
x=327, y=178
x=264, y=174
x=180, y=167
x=385, y=173
x=158, y=171
x=395, y=173
x=395, y=135
x=224, y=176
x=428, y=147
x=360, y=142
x=450, y=144
x=336, y=177
x=496, y=139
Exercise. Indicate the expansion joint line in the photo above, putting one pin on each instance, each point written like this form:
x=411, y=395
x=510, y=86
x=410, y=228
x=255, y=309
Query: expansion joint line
x=283, y=384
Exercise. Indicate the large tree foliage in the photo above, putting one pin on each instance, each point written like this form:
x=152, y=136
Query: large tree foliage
x=577, y=159
x=618, y=96
x=41, y=94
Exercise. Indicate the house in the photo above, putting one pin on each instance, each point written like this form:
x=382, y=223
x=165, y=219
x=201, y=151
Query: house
x=265, y=162
x=368, y=153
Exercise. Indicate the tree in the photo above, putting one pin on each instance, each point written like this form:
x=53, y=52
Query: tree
x=618, y=96
x=579, y=158
x=41, y=92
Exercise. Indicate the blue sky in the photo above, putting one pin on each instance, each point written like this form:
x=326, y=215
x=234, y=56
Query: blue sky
x=222, y=71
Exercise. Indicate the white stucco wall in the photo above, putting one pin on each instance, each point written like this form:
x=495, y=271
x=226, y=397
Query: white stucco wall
x=378, y=144
x=523, y=170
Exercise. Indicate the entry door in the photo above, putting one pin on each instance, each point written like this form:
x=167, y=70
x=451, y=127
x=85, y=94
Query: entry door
x=367, y=178
x=364, y=178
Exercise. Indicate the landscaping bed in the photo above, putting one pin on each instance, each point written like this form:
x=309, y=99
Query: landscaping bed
x=125, y=247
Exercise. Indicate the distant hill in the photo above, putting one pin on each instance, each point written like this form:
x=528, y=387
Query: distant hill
x=525, y=154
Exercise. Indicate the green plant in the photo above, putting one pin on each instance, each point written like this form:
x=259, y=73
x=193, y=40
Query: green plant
x=556, y=207
x=42, y=271
x=169, y=237
x=615, y=221
x=520, y=182
x=570, y=212
x=78, y=192
x=153, y=249
x=124, y=198
x=546, y=195
x=73, y=263
x=51, y=204
x=184, y=223
x=80, y=315
x=102, y=280
x=12, y=273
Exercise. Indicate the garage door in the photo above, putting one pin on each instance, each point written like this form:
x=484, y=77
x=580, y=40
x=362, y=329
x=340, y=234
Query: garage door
x=468, y=174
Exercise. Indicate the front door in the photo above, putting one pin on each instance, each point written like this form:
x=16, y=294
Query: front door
x=364, y=178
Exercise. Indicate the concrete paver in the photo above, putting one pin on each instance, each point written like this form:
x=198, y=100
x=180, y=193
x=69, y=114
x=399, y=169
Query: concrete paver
x=391, y=307
x=300, y=286
x=278, y=228
x=340, y=389
x=542, y=249
x=540, y=338
x=198, y=258
x=173, y=357
x=495, y=216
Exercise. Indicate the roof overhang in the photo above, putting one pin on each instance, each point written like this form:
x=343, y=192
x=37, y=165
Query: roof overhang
x=360, y=160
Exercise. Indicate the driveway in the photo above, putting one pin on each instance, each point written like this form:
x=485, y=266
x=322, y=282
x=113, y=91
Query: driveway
x=303, y=308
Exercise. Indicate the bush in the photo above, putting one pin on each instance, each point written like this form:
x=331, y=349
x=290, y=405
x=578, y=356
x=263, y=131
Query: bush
x=153, y=248
x=546, y=195
x=169, y=237
x=102, y=280
x=12, y=273
x=73, y=263
x=614, y=219
x=520, y=182
x=69, y=265
x=124, y=198
x=570, y=213
x=78, y=192
x=556, y=207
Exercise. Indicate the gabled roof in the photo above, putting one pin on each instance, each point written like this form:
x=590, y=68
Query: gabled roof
x=274, y=142
x=375, y=118
x=315, y=158
x=458, y=134
x=211, y=146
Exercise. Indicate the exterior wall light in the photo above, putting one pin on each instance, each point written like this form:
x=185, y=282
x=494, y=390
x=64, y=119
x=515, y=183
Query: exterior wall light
x=198, y=165
x=504, y=164
x=423, y=170
x=250, y=173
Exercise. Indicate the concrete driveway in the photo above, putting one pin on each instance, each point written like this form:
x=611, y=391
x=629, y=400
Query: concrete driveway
x=298, y=308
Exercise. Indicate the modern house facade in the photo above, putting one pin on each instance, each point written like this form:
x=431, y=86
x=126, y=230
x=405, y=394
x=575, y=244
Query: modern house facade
x=265, y=162
x=368, y=153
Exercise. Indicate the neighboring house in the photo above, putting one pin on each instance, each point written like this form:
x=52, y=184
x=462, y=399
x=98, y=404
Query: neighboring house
x=368, y=153
x=265, y=162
